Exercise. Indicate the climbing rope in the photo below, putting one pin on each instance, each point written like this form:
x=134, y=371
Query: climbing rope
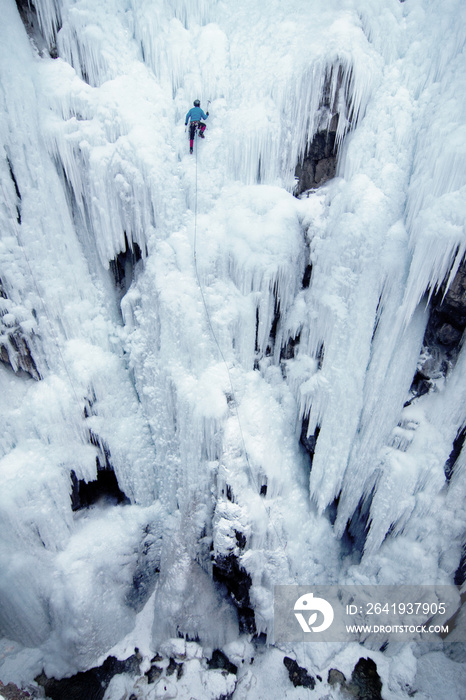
x=214, y=336
x=283, y=544
x=212, y=331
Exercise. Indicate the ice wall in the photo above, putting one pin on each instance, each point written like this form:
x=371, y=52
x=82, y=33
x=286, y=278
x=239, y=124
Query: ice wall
x=84, y=404
x=244, y=310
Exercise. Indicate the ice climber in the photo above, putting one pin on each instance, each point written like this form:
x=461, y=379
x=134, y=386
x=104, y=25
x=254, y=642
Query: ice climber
x=195, y=114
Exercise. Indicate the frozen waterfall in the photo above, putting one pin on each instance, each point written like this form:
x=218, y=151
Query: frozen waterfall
x=210, y=385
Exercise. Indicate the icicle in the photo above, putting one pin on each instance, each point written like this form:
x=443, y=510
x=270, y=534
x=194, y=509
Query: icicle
x=208, y=320
x=48, y=12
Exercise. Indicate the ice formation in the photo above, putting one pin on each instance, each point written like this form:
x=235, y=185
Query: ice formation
x=180, y=322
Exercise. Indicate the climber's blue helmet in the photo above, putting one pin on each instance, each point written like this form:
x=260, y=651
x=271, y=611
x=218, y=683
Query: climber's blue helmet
x=197, y=103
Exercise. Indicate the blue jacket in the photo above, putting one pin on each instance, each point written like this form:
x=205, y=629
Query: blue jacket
x=195, y=114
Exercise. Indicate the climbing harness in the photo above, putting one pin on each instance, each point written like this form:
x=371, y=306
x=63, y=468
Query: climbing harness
x=194, y=127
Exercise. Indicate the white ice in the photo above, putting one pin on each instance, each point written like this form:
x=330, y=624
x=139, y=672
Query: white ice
x=180, y=370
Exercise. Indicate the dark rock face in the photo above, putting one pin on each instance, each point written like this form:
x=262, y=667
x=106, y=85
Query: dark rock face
x=309, y=442
x=365, y=683
x=450, y=464
x=443, y=336
x=318, y=164
x=307, y=276
x=89, y=685
x=288, y=350
x=298, y=675
x=154, y=673
x=85, y=494
x=220, y=661
x=336, y=677
x=15, y=351
x=15, y=345
x=355, y=534
x=240, y=537
x=105, y=486
x=442, y=343
x=18, y=193
x=12, y=692
x=174, y=667
x=460, y=573
x=228, y=571
x=123, y=265
x=448, y=316
x=28, y=14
